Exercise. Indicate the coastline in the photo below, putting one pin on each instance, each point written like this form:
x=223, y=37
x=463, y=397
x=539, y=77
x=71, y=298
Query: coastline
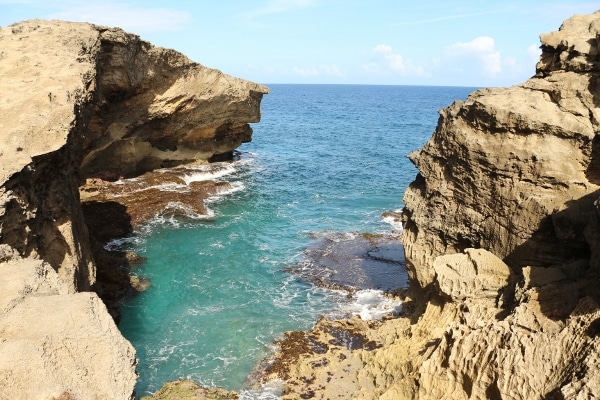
x=501, y=231
x=381, y=251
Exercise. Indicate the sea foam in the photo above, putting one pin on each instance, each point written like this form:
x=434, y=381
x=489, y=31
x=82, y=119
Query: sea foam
x=393, y=219
x=272, y=390
x=371, y=304
x=208, y=173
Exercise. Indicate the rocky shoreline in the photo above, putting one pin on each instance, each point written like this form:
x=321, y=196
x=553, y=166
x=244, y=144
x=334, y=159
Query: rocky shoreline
x=501, y=239
x=118, y=209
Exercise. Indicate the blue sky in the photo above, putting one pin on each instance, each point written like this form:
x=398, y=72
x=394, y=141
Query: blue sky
x=456, y=43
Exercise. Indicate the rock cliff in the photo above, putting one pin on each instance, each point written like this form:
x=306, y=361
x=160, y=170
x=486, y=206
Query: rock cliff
x=502, y=247
x=514, y=170
x=81, y=101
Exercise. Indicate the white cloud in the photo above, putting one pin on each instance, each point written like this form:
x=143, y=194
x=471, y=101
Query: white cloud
x=482, y=44
x=323, y=69
x=492, y=63
x=131, y=18
x=482, y=48
x=392, y=61
x=477, y=60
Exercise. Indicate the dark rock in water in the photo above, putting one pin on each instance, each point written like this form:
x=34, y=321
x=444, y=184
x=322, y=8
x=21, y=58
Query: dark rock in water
x=354, y=261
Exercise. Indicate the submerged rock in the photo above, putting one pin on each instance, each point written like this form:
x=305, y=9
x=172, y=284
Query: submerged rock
x=353, y=261
x=139, y=284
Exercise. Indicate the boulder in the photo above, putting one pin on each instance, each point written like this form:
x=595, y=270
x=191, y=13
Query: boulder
x=475, y=274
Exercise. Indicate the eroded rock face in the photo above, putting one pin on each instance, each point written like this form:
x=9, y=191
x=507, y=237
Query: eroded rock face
x=514, y=170
x=156, y=108
x=81, y=101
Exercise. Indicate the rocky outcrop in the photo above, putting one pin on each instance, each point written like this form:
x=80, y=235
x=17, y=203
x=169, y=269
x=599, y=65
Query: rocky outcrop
x=56, y=343
x=502, y=247
x=84, y=101
x=80, y=101
x=514, y=170
x=189, y=390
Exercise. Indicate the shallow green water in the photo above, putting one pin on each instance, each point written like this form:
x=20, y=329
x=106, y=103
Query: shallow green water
x=323, y=158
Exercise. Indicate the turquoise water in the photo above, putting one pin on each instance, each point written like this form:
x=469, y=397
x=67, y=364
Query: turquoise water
x=324, y=158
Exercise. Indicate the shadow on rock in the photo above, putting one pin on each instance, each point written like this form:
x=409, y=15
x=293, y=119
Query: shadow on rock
x=558, y=264
x=107, y=221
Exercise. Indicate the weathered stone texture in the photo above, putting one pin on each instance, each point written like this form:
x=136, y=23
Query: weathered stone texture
x=512, y=170
x=82, y=101
x=54, y=342
x=78, y=101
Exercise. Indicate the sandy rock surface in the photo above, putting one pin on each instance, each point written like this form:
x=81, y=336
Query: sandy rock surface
x=189, y=390
x=56, y=343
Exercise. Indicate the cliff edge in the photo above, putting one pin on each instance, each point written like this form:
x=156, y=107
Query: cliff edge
x=501, y=233
x=82, y=101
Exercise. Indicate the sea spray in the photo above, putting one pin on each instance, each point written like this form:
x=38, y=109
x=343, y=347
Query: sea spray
x=370, y=304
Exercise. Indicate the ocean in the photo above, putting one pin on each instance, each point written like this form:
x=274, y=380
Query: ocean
x=324, y=160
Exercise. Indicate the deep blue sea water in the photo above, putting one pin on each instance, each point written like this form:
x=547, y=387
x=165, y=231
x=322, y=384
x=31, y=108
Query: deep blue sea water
x=324, y=158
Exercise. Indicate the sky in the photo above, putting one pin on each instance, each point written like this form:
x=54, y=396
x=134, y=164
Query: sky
x=476, y=43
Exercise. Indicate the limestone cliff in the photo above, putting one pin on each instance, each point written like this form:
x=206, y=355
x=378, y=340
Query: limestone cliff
x=82, y=101
x=502, y=246
x=514, y=170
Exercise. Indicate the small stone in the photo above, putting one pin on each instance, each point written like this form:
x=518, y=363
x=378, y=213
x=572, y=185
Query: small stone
x=139, y=284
